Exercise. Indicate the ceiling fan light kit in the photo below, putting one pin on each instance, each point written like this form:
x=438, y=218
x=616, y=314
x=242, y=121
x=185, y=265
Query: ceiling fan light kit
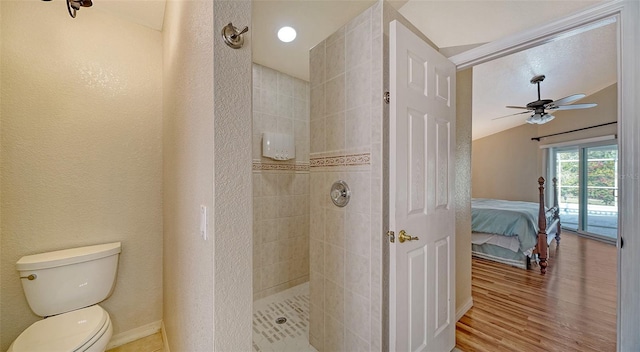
x=537, y=108
x=539, y=119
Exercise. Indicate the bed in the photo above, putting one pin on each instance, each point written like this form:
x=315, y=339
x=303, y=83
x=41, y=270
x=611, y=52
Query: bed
x=514, y=232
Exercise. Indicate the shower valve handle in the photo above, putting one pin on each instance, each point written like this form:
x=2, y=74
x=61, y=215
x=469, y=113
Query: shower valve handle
x=232, y=36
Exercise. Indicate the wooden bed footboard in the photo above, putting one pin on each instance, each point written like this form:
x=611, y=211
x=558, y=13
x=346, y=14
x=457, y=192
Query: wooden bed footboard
x=542, y=247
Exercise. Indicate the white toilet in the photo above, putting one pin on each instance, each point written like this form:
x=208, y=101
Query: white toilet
x=65, y=287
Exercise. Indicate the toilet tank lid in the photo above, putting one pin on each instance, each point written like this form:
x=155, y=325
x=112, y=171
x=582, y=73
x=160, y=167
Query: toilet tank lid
x=67, y=256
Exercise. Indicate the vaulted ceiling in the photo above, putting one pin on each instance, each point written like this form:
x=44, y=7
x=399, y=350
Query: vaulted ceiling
x=584, y=63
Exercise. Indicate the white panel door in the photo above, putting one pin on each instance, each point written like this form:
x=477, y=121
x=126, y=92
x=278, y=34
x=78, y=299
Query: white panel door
x=422, y=147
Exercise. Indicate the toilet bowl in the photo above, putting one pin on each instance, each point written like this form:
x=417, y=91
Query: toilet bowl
x=74, y=322
x=87, y=330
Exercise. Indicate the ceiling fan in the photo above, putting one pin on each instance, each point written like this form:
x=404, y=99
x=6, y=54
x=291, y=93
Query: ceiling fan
x=538, y=109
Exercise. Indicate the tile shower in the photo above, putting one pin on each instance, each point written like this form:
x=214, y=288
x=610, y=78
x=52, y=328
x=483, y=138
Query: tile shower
x=346, y=144
x=280, y=188
x=347, y=115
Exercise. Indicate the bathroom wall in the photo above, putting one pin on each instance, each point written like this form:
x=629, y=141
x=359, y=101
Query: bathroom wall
x=207, y=161
x=280, y=188
x=81, y=152
x=188, y=174
x=346, y=144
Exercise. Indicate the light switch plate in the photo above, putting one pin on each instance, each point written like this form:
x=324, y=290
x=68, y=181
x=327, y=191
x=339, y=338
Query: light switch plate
x=203, y=222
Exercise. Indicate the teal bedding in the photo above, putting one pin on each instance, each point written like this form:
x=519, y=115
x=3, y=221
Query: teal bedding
x=507, y=218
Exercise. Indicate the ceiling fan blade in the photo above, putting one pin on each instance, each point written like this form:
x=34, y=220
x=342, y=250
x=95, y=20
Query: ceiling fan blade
x=566, y=100
x=573, y=107
x=517, y=113
x=516, y=107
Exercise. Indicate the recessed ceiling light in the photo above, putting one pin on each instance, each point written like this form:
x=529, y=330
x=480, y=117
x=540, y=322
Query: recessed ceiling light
x=286, y=34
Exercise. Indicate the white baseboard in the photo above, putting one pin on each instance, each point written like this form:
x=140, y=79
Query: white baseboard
x=464, y=309
x=134, y=334
x=165, y=341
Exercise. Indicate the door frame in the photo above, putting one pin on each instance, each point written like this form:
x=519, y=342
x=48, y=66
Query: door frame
x=626, y=15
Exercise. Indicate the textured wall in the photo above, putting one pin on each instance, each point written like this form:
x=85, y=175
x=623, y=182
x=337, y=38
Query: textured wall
x=346, y=144
x=606, y=111
x=188, y=175
x=207, y=151
x=81, y=152
x=280, y=188
x=232, y=156
x=462, y=194
x=506, y=165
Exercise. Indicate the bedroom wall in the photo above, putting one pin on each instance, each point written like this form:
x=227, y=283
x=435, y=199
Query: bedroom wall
x=81, y=152
x=462, y=194
x=507, y=164
x=606, y=111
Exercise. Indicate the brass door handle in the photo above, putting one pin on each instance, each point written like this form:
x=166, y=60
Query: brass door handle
x=402, y=236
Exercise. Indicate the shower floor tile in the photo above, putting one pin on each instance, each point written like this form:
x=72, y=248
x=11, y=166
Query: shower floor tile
x=290, y=336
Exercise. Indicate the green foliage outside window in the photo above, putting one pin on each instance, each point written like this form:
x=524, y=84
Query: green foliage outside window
x=601, y=172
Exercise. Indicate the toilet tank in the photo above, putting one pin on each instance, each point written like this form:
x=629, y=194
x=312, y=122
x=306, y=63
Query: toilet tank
x=62, y=281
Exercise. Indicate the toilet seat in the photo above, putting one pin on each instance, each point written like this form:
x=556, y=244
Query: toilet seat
x=77, y=330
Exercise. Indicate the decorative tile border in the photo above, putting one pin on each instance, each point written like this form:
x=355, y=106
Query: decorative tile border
x=257, y=165
x=341, y=160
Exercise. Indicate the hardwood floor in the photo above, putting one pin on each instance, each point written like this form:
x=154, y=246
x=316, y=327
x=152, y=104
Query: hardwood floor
x=571, y=308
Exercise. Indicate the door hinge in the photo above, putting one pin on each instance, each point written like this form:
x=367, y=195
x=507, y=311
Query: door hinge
x=392, y=236
x=386, y=97
x=621, y=242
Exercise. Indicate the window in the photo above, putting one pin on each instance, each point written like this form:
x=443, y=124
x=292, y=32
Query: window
x=588, y=188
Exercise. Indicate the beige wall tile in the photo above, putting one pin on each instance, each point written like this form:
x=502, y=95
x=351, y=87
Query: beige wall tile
x=357, y=315
x=334, y=95
x=335, y=227
x=256, y=78
x=358, y=127
x=334, y=258
x=269, y=79
x=358, y=85
x=335, y=58
x=316, y=102
x=317, y=223
x=354, y=124
x=316, y=325
x=269, y=102
x=335, y=133
x=316, y=64
x=317, y=142
x=281, y=198
x=317, y=256
x=285, y=84
x=333, y=334
x=358, y=44
x=353, y=343
x=358, y=277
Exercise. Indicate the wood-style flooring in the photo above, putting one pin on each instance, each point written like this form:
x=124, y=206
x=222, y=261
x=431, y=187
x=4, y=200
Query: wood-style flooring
x=571, y=308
